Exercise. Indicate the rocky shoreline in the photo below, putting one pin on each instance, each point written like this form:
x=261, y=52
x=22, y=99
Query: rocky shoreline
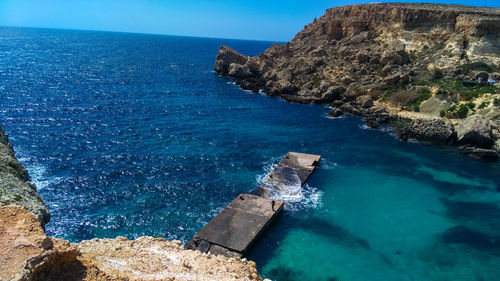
x=419, y=67
x=27, y=253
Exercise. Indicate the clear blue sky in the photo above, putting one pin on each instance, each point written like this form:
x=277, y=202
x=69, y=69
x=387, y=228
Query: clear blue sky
x=276, y=20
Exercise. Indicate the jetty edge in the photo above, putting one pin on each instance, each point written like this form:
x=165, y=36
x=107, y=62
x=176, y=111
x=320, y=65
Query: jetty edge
x=239, y=225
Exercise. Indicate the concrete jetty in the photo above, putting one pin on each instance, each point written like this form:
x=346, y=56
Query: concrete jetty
x=293, y=170
x=235, y=229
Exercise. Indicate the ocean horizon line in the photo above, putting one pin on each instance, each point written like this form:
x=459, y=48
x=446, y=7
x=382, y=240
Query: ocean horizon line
x=140, y=33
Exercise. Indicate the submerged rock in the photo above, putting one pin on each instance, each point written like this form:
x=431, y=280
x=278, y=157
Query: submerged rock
x=480, y=153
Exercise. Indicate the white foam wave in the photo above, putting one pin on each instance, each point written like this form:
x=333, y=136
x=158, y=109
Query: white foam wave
x=40, y=177
x=328, y=165
x=295, y=197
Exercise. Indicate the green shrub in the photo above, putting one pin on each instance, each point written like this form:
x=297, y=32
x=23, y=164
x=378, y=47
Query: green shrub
x=408, y=99
x=470, y=105
x=462, y=111
x=442, y=92
x=484, y=104
x=422, y=95
x=437, y=74
x=316, y=79
x=478, y=66
x=496, y=102
x=455, y=111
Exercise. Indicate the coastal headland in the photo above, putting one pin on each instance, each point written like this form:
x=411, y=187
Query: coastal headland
x=430, y=70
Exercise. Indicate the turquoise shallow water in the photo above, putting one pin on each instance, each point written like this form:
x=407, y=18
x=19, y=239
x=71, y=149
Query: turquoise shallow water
x=129, y=134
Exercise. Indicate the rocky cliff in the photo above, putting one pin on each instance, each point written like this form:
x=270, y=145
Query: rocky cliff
x=27, y=253
x=15, y=185
x=376, y=60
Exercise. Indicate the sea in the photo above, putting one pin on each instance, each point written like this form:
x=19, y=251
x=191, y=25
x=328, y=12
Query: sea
x=135, y=134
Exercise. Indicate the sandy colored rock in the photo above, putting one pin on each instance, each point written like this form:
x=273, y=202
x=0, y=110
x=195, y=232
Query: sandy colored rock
x=148, y=258
x=26, y=253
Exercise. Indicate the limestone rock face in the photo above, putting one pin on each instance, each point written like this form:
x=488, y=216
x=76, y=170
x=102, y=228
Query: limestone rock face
x=475, y=130
x=367, y=49
x=15, y=187
x=432, y=129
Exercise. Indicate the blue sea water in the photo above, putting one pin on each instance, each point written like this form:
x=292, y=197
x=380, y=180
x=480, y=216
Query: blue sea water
x=134, y=134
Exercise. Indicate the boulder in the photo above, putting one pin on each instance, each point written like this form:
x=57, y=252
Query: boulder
x=225, y=58
x=365, y=101
x=388, y=69
x=432, y=129
x=392, y=80
x=475, y=130
x=349, y=109
x=399, y=57
x=336, y=112
x=332, y=93
x=372, y=123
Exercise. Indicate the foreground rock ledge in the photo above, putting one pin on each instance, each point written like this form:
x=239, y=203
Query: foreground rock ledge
x=27, y=253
